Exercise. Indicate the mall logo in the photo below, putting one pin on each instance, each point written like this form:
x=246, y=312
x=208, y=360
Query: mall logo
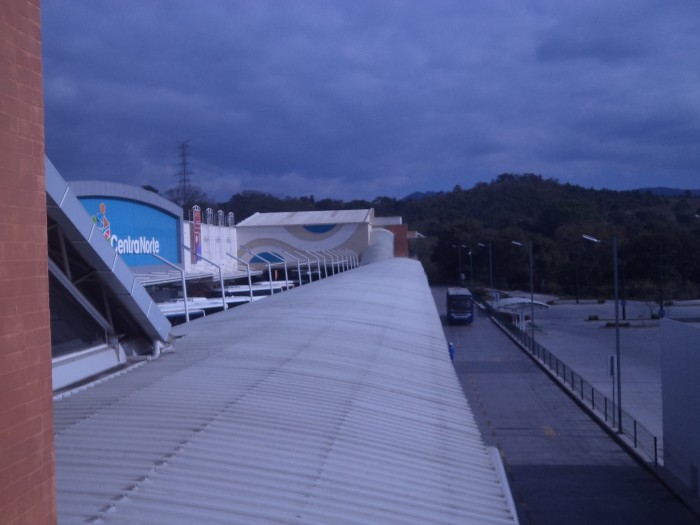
x=126, y=246
x=101, y=221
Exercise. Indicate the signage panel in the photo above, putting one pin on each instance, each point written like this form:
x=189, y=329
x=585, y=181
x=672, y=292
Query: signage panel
x=196, y=236
x=135, y=230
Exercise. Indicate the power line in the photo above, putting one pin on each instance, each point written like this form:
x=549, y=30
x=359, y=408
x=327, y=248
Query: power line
x=184, y=173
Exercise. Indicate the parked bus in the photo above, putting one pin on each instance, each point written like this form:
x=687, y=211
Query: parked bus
x=460, y=306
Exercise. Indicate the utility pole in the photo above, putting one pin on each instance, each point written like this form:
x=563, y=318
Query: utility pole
x=183, y=174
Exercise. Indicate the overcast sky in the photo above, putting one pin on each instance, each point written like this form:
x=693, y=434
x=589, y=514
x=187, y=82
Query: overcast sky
x=361, y=98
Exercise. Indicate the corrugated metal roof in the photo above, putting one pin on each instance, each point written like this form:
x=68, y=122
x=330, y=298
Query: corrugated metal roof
x=335, y=402
x=303, y=218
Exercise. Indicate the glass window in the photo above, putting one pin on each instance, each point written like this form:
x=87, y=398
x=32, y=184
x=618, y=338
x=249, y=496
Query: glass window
x=72, y=328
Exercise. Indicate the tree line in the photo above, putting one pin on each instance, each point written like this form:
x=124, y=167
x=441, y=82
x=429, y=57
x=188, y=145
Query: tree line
x=658, y=235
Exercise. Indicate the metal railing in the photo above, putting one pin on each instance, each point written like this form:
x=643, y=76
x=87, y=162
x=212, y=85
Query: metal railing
x=639, y=438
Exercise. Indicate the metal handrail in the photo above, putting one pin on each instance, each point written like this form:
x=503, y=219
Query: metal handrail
x=298, y=265
x=325, y=265
x=184, y=283
x=308, y=264
x=592, y=399
x=221, y=275
x=250, y=280
x=331, y=255
x=284, y=261
x=269, y=267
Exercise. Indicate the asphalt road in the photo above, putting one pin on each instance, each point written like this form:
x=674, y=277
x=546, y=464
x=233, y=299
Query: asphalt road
x=562, y=466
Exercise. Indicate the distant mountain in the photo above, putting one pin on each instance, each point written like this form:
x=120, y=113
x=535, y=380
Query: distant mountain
x=419, y=195
x=670, y=192
x=661, y=191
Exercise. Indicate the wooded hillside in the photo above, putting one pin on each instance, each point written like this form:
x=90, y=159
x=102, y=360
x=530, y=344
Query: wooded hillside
x=658, y=235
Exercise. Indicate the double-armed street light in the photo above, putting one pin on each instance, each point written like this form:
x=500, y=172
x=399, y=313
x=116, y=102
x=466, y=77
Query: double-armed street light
x=532, y=291
x=618, y=377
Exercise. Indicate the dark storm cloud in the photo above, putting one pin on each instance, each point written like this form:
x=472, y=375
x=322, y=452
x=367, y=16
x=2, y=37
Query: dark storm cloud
x=359, y=99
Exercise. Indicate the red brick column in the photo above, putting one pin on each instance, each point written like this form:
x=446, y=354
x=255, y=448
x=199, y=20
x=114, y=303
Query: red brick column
x=400, y=232
x=27, y=480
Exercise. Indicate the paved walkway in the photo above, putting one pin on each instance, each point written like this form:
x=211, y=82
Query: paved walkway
x=563, y=467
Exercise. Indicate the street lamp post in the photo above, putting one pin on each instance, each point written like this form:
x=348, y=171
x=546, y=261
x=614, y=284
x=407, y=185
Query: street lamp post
x=618, y=375
x=578, y=269
x=471, y=268
x=662, y=312
x=532, y=292
x=490, y=264
x=460, y=275
x=623, y=297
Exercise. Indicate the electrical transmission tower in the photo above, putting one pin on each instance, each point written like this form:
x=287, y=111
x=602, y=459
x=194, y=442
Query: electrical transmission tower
x=184, y=186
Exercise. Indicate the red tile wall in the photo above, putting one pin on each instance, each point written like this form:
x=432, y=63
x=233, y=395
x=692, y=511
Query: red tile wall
x=27, y=481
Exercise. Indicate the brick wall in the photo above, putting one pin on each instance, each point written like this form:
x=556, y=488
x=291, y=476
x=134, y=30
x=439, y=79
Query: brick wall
x=27, y=482
x=400, y=232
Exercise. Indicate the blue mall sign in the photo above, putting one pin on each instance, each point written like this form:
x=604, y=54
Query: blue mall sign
x=136, y=230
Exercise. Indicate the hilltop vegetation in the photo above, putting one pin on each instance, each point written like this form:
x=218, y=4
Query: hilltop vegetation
x=659, y=235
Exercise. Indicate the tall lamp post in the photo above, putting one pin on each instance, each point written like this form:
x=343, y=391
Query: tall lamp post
x=460, y=275
x=532, y=291
x=662, y=312
x=490, y=264
x=471, y=268
x=618, y=378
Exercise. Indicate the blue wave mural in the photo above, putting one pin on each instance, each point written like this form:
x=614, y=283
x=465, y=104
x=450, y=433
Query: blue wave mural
x=319, y=228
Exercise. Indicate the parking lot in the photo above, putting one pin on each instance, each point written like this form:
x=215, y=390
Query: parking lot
x=583, y=336
x=562, y=466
